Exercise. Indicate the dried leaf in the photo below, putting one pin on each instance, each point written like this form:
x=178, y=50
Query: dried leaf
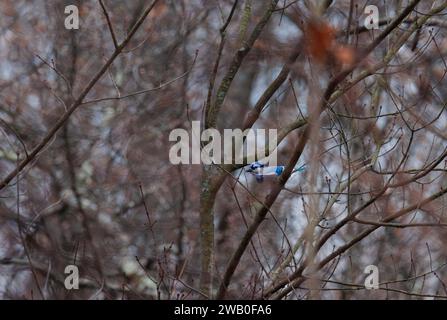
x=319, y=39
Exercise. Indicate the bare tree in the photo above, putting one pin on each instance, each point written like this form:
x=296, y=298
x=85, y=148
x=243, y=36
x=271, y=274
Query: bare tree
x=86, y=178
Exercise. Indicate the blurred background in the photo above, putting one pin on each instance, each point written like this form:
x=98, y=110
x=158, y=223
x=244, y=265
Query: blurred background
x=103, y=195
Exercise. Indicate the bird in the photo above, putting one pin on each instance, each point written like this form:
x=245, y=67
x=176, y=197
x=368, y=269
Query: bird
x=260, y=170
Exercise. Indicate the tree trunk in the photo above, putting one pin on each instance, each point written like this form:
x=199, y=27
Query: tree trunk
x=212, y=180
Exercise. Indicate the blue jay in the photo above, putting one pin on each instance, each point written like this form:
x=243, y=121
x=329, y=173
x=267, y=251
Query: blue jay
x=260, y=170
